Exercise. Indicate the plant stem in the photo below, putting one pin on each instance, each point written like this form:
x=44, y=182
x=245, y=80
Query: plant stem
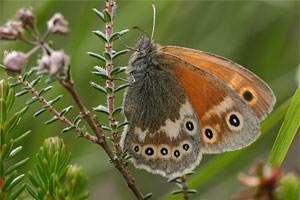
x=184, y=187
x=102, y=141
x=54, y=111
x=109, y=66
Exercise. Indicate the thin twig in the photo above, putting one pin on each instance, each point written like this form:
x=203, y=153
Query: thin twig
x=185, y=188
x=102, y=141
x=55, y=112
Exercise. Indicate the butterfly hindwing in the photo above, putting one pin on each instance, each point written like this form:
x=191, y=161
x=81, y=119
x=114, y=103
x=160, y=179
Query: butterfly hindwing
x=247, y=85
x=164, y=132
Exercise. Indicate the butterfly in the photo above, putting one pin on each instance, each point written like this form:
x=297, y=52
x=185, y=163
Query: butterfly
x=183, y=103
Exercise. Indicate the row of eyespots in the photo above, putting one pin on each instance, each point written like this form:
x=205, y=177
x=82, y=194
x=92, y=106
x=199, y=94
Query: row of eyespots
x=234, y=121
x=163, y=151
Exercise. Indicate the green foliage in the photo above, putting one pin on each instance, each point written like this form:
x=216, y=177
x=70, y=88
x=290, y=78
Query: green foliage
x=288, y=187
x=287, y=132
x=54, y=177
x=9, y=149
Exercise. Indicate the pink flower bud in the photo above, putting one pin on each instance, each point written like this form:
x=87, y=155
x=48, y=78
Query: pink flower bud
x=58, y=60
x=11, y=31
x=45, y=61
x=57, y=24
x=15, y=61
x=27, y=17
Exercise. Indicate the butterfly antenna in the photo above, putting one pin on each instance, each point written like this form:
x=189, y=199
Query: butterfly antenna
x=154, y=12
x=125, y=45
x=138, y=28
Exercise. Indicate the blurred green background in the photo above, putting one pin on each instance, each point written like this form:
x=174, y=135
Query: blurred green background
x=263, y=36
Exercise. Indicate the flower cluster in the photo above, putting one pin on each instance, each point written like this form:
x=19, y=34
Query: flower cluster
x=52, y=60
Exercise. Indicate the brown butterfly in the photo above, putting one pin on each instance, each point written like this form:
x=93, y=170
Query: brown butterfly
x=184, y=102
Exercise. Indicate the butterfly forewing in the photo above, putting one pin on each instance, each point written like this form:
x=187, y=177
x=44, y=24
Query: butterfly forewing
x=227, y=122
x=247, y=85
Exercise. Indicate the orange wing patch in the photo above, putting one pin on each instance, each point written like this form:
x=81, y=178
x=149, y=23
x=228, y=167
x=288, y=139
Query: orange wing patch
x=247, y=85
x=214, y=103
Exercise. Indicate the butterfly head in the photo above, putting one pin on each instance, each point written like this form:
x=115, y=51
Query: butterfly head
x=143, y=57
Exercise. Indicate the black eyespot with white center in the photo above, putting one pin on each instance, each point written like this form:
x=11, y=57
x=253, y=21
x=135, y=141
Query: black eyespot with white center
x=186, y=147
x=136, y=148
x=176, y=153
x=164, y=151
x=189, y=125
x=234, y=120
x=209, y=133
x=149, y=151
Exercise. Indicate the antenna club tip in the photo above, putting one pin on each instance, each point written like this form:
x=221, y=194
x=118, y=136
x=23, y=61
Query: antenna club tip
x=153, y=6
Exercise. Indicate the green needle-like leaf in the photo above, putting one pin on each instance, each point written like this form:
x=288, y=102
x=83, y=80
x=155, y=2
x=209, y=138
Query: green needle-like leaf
x=8, y=181
x=14, y=152
x=107, y=16
x=117, y=111
x=22, y=137
x=3, y=110
x=116, y=35
x=107, y=56
x=51, y=102
x=12, y=123
x=44, y=90
x=101, y=35
x=7, y=150
x=98, y=87
x=35, y=81
x=15, y=182
x=68, y=129
x=96, y=56
x=100, y=14
x=17, y=193
x=117, y=70
x=31, y=191
x=40, y=112
x=54, y=119
x=10, y=99
x=22, y=93
x=119, y=53
x=147, y=196
x=287, y=132
x=16, y=166
x=101, y=109
x=32, y=100
x=121, y=87
x=65, y=111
